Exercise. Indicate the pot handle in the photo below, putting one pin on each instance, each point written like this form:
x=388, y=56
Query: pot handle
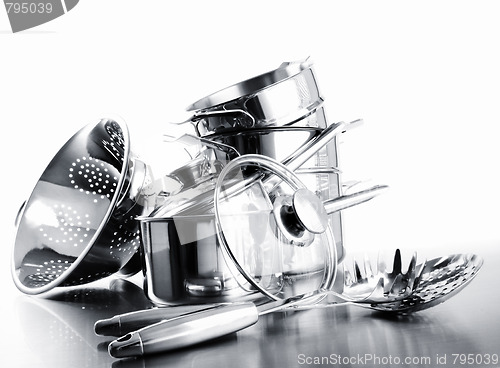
x=207, y=114
x=304, y=153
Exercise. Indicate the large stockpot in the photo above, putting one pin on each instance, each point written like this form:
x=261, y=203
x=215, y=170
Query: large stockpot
x=274, y=114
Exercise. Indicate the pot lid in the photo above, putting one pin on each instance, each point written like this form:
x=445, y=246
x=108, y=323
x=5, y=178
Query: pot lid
x=260, y=207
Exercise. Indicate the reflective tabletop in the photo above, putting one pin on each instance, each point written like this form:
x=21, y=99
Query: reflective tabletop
x=56, y=330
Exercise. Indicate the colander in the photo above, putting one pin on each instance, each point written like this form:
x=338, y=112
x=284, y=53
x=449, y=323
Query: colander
x=79, y=223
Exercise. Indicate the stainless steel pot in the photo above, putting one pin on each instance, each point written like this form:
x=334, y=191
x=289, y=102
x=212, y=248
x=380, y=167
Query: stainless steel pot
x=274, y=114
x=183, y=262
x=256, y=238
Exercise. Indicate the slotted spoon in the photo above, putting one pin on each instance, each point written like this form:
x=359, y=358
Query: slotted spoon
x=439, y=280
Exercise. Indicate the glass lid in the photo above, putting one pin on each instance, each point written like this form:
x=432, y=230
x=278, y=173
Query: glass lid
x=273, y=231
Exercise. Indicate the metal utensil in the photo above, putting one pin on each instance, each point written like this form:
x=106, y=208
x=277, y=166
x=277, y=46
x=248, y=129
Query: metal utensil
x=375, y=284
x=439, y=280
x=79, y=223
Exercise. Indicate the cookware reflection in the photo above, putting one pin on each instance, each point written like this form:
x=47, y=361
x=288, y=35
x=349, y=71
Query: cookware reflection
x=248, y=347
x=280, y=340
x=59, y=328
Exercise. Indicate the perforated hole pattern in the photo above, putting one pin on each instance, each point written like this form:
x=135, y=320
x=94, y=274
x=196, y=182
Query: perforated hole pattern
x=98, y=181
x=439, y=283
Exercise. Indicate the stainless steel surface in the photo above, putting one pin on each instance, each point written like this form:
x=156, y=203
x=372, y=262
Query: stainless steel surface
x=441, y=278
x=79, y=222
x=287, y=96
x=281, y=144
x=58, y=332
x=206, y=324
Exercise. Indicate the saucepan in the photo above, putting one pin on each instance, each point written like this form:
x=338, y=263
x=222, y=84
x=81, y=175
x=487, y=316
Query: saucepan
x=184, y=260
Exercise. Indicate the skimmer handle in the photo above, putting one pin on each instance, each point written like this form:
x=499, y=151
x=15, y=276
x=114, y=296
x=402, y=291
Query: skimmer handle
x=186, y=330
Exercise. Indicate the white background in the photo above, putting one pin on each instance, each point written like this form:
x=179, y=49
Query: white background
x=424, y=76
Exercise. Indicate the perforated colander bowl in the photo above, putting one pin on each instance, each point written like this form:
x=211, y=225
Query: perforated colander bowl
x=79, y=223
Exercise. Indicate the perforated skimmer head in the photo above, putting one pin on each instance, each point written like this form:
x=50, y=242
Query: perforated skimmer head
x=79, y=222
x=441, y=278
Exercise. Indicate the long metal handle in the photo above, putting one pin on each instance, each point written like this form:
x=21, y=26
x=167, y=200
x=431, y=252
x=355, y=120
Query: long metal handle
x=122, y=324
x=198, y=327
x=350, y=200
x=186, y=330
x=304, y=153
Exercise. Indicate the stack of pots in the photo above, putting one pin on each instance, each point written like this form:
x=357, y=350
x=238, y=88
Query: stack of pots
x=273, y=114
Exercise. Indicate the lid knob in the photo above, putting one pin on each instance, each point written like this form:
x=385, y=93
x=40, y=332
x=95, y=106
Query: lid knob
x=300, y=217
x=310, y=211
